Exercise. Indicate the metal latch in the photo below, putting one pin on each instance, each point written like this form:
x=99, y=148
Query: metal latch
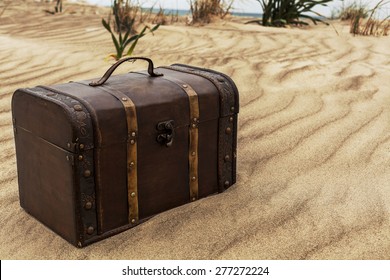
x=166, y=132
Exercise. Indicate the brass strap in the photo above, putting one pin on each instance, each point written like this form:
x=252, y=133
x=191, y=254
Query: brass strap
x=193, y=136
x=132, y=132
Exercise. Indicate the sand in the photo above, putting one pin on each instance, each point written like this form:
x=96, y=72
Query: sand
x=313, y=176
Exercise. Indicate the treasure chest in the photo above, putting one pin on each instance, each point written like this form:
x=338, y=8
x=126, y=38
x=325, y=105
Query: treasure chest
x=95, y=158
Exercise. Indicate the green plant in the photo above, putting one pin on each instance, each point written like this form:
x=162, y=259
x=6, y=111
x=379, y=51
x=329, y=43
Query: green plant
x=124, y=26
x=203, y=10
x=373, y=26
x=283, y=12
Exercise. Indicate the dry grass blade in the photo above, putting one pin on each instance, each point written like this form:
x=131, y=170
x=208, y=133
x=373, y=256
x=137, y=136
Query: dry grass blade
x=373, y=26
x=203, y=11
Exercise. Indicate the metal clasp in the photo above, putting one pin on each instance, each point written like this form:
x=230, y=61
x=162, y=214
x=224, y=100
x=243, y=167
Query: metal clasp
x=166, y=132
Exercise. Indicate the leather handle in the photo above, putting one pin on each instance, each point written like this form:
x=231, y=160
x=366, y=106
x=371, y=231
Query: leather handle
x=119, y=62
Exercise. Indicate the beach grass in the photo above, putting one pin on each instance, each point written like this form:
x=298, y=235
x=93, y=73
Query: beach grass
x=203, y=11
x=280, y=13
x=372, y=26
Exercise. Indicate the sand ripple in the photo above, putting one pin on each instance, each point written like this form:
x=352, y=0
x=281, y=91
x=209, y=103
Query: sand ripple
x=313, y=147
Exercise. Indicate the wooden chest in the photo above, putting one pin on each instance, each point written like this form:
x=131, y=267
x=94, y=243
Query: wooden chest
x=97, y=158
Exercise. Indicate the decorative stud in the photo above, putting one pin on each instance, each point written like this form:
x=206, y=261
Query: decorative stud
x=232, y=108
x=228, y=130
x=82, y=146
x=77, y=107
x=87, y=173
x=227, y=184
x=231, y=119
x=185, y=86
x=227, y=158
x=194, y=198
x=193, y=154
x=133, y=221
x=80, y=157
x=131, y=164
x=88, y=205
x=221, y=80
x=124, y=99
x=193, y=125
x=90, y=230
x=132, y=142
x=193, y=178
x=195, y=119
x=69, y=145
x=133, y=134
x=132, y=194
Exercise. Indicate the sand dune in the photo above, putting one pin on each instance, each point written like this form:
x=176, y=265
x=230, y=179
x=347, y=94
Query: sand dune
x=313, y=147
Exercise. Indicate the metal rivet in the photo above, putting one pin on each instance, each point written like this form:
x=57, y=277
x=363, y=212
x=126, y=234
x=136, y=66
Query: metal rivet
x=80, y=157
x=231, y=119
x=232, y=109
x=194, y=198
x=78, y=107
x=227, y=158
x=90, y=230
x=193, y=178
x=195, y=119
x=69, y=145
x=124, y=99
x=133, y=134
x=193, y=125
x=87, y=173
x=227, y=183
x=133, y=221
x=82, y=146
x=132, y=164
x=88, y=205
x=79, y=244
x=132, y=194
x=67, y=158
x=220, y=80
x=228, y=130
x=185, y=86
x=132, y=142
x=193, y=154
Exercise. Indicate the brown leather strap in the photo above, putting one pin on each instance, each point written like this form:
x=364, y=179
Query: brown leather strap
x=227, y=129
x=193, y=136
x=132, y=133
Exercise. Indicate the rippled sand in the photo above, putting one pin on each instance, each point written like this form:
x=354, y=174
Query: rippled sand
x=313, y=141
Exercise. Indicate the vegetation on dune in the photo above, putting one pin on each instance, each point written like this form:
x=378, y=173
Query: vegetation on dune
x=284, y=12
x=123, y=28
x=372, y=26
x=57, y=8
x=348, y=12
x=203, y=11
